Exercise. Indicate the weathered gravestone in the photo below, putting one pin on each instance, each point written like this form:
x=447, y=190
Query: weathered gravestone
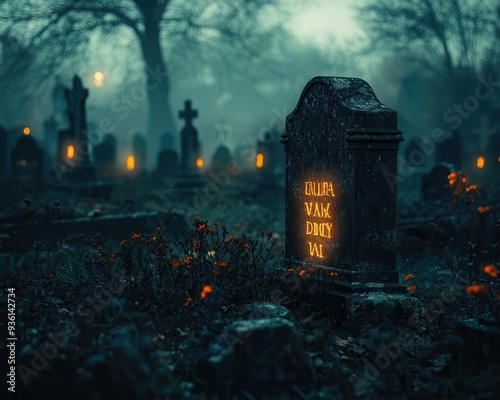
x=220, y=159
x=168, y=159
x=3, y=152
x=105, y=157
x=83, y=170
x=26, y=162
x=341, y=148
x=190, y=150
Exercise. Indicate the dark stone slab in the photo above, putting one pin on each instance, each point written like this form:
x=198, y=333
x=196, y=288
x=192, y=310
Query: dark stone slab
x=259, y=356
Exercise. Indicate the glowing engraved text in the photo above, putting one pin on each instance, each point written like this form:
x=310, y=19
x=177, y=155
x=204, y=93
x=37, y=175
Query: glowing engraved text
x=318, y=210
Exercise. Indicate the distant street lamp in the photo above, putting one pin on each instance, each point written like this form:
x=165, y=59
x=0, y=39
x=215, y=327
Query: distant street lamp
x=27, y=130
x=199, y=162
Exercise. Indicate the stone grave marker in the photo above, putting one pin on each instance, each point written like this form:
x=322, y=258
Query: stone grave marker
x=221, y=157
x=3, y=152
x=26, y=161
x=167, y=166
x=189, y=175
x=139, y=150
x=341, y=148
x=105, y=157
x=83, y=170
x=190, y=146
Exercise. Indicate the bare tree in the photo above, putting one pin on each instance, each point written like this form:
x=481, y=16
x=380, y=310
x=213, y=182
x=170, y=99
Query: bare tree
x=453, y=39
x=56, y=29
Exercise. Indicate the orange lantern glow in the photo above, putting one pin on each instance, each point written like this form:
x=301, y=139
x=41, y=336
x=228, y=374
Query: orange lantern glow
x=199, y=162
x=130, y=163
x=480, y=162
x=27, y=130
x=70, y=152
x=259, y=160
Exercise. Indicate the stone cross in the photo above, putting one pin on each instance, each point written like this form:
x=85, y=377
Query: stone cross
x=341, y=148
x=189, y=139
x=83, y=171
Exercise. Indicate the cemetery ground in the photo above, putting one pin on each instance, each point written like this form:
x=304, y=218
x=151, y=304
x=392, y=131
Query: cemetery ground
x=210, y=311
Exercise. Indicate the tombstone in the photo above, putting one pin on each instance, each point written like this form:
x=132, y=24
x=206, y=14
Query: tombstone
x=82, y=170
x=272, y=160
x=190, y=147
x=50, y=137
x=189, y=175
x=3, y=152
x=341, y=148
x=139, y=150
x=421, y=162
x=26, y=162
x=167, y=141
x=105, y=157
x=220, y=159
x=435, y=184
x=450, y=151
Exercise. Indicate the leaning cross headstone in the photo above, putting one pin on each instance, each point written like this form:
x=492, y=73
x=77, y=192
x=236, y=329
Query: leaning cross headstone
x=83, y=171
x=341, y=149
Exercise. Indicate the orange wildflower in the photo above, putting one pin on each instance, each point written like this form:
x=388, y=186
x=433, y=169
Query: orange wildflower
x=491, y=271
x=476, y=289
x=206, y=290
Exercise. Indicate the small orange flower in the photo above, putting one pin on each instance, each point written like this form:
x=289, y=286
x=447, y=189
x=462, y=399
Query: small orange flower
x=471, y=187
x=136, y=236
x=411, y=288
x=206, y=290
x=408, y=277
x=154, y=238
x=201, y=227
x=302, y=272
x=216, y=272
x=491, y=271
x=176, y=263
x=452, y=178
x=189, y=300
x=476, y=289
x=483, y=210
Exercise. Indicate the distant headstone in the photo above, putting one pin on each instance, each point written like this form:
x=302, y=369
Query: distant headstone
x=50, y=127
x=450, y=151
x=189, y=175
x=139, y=150
x=83, y=170
x=3, y=152
x=190, y=147
x=105, y=157
x=435, y=184
x=341, y=148
x=26, y=161
x=273, y=158
x=167, y=165
x=166, y=141
x=222, y=156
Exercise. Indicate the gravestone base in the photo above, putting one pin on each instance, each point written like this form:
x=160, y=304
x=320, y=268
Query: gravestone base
x=362, y=312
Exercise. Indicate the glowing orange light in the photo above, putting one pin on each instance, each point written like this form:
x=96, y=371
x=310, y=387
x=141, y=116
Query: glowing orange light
x=483, y=210
x=98, y=78
x=22, y=163
x=27, y=130
x=491, y=271
x=498, y=158
x=480, y=162
x=411, y=288
x=408, y=277
x=70, y=152
x=206, y=290
x=476, y=289
x=259, y=160
x=130, y=163
x=199, y=162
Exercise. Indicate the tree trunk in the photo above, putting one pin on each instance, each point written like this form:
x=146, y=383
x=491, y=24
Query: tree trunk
x=160, y=116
